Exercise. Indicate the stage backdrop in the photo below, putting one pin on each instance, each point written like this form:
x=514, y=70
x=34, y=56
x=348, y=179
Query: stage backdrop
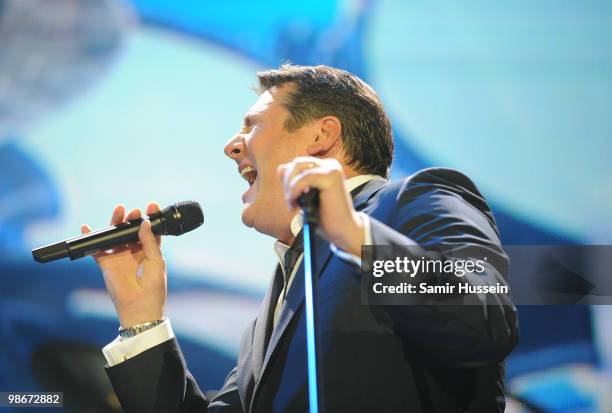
x=107, y=102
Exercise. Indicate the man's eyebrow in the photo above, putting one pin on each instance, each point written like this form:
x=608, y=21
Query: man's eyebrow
x=249, y=120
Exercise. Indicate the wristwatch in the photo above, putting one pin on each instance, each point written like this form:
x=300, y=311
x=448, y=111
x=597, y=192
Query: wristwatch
x=131, y=331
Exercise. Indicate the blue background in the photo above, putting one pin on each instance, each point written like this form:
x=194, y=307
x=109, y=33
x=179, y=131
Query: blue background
x=517, y=95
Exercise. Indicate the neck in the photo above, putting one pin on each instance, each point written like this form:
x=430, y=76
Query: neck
x=349, y=172
x=287, y=240
x=285, y=235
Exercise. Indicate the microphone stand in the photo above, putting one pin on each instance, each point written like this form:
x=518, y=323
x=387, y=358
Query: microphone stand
x=310, y=207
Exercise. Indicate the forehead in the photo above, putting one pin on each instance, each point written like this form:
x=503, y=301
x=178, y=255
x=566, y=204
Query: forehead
x=268, y=103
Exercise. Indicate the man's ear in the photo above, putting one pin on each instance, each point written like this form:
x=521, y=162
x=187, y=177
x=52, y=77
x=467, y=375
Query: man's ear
x=328, y=135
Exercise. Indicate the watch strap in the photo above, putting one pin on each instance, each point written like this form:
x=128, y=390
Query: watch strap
x=131, y=331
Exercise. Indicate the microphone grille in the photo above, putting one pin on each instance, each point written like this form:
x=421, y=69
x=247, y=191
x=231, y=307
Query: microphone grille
x=183, y=217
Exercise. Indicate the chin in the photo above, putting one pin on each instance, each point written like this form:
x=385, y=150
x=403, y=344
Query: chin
x=250, y=218
x=247, y=216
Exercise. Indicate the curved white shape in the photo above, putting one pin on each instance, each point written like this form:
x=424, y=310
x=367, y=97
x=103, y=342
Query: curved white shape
x=154, y=129
x=517, y=95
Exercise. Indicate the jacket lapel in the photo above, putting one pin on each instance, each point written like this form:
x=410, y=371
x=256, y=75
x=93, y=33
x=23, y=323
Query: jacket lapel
x=250, y=364
x=293, y=302
x=263, y=324
x=295, y=296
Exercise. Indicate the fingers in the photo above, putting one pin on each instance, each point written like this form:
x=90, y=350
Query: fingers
x=133, y=214
x=302, y=183
x=136, y=213
x=149, y=244
x=118, y=215
x=297, y=176
x=153, y=208
x=307, y=172
x=289, y=170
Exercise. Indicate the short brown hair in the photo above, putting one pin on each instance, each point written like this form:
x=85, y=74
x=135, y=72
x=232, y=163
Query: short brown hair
x=322, y=91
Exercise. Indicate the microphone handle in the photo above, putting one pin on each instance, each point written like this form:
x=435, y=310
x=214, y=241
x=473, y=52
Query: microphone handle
x=100, y=240
x=310, y=205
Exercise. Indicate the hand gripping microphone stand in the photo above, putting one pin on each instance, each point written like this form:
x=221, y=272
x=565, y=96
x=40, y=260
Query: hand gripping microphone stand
x=310, y=207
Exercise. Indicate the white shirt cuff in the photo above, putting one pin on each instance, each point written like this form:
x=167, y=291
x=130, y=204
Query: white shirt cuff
x=354, y=259
x=121, y=349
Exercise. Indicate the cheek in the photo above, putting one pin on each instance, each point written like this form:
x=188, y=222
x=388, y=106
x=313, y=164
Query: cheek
x=267, y=150
x=259, y=150
x=271, y=144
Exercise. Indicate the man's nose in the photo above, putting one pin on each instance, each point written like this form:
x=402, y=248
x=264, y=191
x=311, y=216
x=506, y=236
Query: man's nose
x=235, y=148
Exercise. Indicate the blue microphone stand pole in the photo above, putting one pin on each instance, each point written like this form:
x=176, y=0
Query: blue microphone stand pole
x=310, y=207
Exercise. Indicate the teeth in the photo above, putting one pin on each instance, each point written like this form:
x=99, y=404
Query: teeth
x=246, y=170
x=249, y=174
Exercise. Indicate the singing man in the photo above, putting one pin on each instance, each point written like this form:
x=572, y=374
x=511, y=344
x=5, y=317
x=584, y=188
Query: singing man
x=324, y=128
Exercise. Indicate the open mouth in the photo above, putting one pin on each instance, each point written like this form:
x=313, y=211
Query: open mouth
x=249, y=174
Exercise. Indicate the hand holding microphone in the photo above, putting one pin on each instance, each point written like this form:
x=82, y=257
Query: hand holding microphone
x=338, y=222
x=134, y=272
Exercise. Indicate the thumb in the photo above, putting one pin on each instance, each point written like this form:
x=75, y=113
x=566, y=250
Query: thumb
x=149, y=243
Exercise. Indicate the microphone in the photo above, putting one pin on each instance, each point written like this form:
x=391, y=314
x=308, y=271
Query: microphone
x=175, y=219
x=310, y=205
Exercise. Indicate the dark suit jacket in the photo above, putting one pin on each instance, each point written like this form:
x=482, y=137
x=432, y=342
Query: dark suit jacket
x=412, y=358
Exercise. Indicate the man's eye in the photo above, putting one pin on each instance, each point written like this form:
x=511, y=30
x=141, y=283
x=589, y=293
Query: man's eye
x=248, y=128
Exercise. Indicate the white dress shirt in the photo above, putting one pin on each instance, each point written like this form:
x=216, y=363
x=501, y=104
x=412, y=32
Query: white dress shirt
x=121, y=349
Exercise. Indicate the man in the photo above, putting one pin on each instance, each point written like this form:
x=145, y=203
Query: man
x=324, y=128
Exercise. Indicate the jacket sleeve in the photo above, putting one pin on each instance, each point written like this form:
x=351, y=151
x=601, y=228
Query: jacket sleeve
x=157, y=380
x=437, y=213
